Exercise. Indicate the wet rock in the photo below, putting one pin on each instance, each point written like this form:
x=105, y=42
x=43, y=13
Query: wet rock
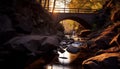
x=115, y=40
x=103, y=61
x=115, y=15
x=84, y=33
x=74, y=47
x=114, y=49
x=102, y=41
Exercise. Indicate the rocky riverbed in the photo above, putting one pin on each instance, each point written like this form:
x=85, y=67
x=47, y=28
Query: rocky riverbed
x=29, y=38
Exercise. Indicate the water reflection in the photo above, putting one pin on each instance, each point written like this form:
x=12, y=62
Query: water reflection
x=64, y=61
x=55, y=66
x=66, y=57
x=60, y=66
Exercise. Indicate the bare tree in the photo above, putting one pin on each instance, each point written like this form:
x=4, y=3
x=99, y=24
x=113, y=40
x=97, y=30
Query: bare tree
x=40, y=1
x=45, y=2
x=48, y=3
x=54, y=6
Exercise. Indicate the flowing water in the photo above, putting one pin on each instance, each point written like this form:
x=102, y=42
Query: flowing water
x=64, y=61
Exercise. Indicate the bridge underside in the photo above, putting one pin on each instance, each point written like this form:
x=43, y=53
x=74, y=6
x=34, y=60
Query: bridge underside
x=86, y=20
x=81, y=21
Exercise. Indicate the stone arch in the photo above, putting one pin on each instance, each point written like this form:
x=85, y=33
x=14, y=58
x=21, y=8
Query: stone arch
x=79, y=20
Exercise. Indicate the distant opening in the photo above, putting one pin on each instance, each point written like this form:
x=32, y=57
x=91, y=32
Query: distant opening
x=72, y=29
x=71, y=26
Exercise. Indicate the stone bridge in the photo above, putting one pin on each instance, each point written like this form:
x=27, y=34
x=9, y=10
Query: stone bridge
x=85, y=19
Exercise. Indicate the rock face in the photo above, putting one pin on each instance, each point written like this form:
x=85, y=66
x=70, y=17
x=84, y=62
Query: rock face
x=6, y=30
x=28, y=17
x=103, y=61
x=27, y=33
x=105, y=49
x=103, y=39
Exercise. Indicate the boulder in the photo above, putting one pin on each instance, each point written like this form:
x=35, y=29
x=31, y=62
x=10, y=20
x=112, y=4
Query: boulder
x=24, y=51
x=34, y=43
